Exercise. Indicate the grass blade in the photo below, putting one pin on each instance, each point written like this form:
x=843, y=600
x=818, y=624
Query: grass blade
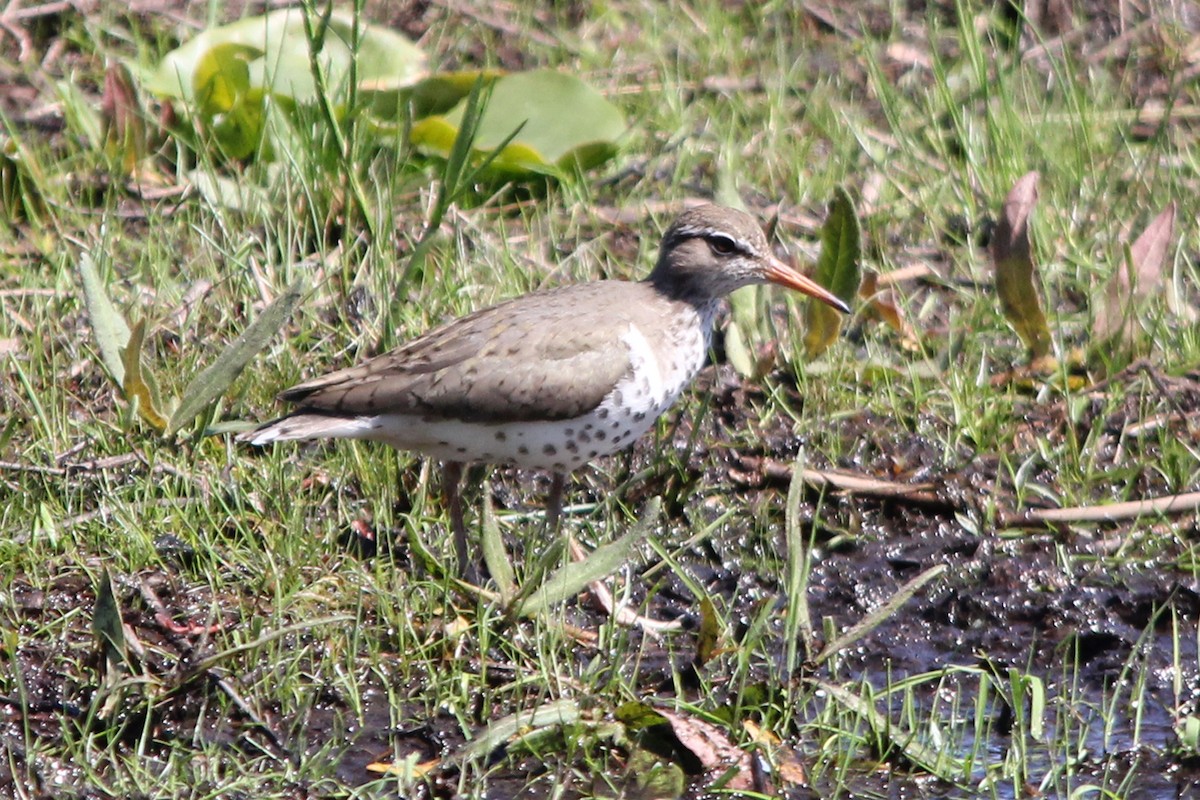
x=879, y=615
x=797, y=623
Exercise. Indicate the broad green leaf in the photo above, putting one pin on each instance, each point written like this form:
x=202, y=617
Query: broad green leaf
x=384, y=59
x=1137, y=278
x=1012, y=258
x=504, y=731
x=494, y=554
x=238, y=195
x=138, y=390
x=570, y=579
x=737, y=352
x=938, y=762
x=636, y=715
x=222, y=77
x=565, y=125
x=218, y=376
x=107, y=625
x=108, y=326
x=838, y=269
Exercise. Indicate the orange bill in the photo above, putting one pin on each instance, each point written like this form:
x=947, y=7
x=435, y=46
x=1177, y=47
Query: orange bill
x=780, y=273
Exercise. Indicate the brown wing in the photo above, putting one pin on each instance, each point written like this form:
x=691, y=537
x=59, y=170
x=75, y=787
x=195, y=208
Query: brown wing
x=550, y=355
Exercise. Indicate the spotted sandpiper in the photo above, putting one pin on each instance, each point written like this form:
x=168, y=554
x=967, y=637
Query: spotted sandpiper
x=549, y=380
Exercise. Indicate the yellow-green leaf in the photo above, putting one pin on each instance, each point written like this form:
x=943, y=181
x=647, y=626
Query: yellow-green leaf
x=710, y=632
x=1012, y=258
x=138, y=390
x=494, y=554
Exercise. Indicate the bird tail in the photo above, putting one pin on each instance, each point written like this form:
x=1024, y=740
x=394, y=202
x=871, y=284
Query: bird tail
x=306, y=425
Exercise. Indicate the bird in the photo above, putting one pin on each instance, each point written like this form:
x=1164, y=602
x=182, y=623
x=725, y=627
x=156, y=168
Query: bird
x=550, y=380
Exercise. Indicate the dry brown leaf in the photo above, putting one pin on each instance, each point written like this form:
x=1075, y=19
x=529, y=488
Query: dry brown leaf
x=789, y=768
x=1135, y=281
x=404, y=767
x=1012, y=258
x=881, y=305
x=712, y=747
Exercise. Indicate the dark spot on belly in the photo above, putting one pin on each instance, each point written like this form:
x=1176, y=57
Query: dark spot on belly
x=523, y=450
x=602, y=413
x=571, y=446
x=501, y=436
x=549, y=449
x=601, y=435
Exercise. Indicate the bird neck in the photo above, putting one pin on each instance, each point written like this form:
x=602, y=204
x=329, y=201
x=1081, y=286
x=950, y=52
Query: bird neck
x=681, y=285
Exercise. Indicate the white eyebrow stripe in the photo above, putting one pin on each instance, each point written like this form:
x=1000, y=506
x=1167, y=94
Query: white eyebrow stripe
x=744, y=246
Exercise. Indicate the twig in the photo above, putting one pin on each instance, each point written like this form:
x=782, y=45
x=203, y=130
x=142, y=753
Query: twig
x=621, y=613
x=1108, y=512
x=163, y=617
x=920, y=495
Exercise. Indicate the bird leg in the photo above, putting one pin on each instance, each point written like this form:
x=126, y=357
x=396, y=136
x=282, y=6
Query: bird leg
x=452, y=472
x=554, y=501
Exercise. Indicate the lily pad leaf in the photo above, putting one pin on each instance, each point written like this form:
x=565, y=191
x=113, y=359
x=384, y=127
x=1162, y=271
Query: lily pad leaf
x=838, y=269
x=434, y=94
x=278, y=56
x=565, y=125
x=1012, y=258
x=227, y=101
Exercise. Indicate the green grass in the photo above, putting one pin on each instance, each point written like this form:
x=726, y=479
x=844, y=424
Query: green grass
x=332, y=659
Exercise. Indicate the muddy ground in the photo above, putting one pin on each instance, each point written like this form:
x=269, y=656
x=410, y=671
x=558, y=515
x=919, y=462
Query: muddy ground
x=1030, y=601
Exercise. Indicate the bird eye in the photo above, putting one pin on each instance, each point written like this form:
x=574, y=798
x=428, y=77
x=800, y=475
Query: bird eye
x=721, y=244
